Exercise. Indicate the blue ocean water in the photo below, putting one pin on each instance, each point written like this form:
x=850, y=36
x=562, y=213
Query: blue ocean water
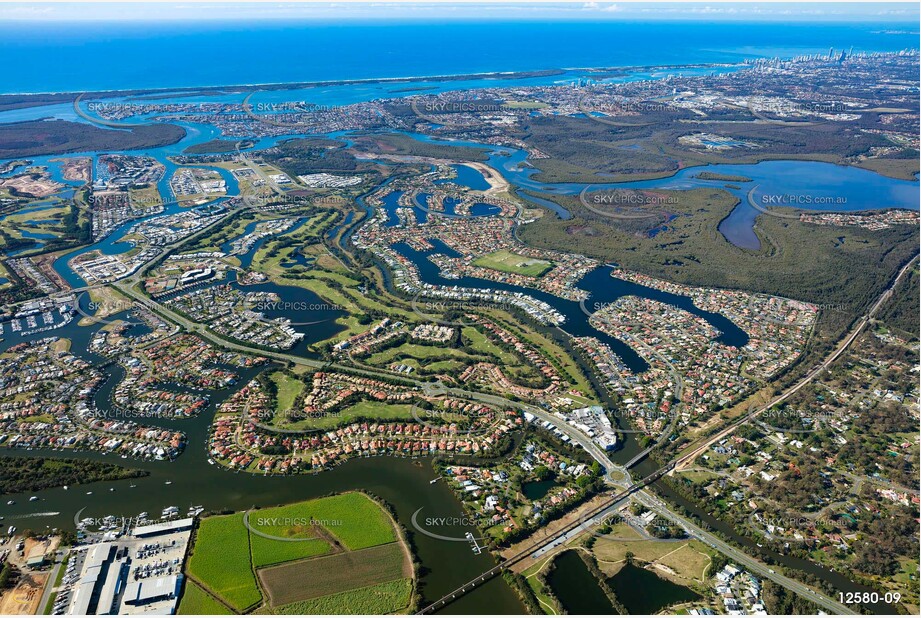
x=56, y=56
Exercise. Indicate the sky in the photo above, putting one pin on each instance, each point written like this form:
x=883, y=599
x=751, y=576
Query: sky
x=462, y=10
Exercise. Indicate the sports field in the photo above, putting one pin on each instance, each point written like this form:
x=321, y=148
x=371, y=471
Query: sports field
x=508, y=262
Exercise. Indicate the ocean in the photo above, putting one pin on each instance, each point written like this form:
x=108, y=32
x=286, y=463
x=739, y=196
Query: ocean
x=57, y=57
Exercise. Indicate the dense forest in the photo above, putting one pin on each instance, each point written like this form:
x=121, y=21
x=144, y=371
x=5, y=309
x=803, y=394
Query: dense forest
x=39, y=137
x=20, y=474
x=902, y=310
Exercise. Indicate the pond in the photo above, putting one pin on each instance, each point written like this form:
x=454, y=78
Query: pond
x=576, y=588
x=643, y=592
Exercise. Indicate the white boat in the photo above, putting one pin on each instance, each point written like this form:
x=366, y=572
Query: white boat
x=65, y=487
x=10, y=502
x=33, y=498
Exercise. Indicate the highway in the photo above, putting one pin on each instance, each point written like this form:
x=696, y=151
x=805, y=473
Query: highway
x=655, y=504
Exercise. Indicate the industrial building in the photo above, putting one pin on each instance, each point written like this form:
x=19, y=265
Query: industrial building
x=140, y=573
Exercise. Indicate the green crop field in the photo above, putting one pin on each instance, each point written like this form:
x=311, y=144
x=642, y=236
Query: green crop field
x=508, y=262
x=269, y=551
x=299, y=581
x=223, y=541
x=195, y=601
x=291, y=571
x=386, y=598
x=353, y=518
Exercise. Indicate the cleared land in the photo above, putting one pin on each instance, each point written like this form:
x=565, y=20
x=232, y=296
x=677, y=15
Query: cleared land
x=267, y=552
x=357, y=534
x=508, y=262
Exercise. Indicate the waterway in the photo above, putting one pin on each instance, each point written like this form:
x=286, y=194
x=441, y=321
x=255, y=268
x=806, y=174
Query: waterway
x=643, y=592
x=576, y=588
x=806, y=185
x=604, y=290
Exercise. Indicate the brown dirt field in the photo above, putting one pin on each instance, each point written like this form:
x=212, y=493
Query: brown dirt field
x=25, y=185
x=25, y=597
x=76, y=168
x=316, y=577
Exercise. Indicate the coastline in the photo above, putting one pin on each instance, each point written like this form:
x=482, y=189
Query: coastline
x=287, y=85
x=69, y=95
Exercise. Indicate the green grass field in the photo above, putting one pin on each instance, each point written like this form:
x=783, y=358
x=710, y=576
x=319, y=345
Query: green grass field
x=366, y=409
x=288, y=389
x=267, y=552
x=386, y=598
x=353, y=518
x=508, y=262
x=223, y=541
x=300, y=581
x=195, y=601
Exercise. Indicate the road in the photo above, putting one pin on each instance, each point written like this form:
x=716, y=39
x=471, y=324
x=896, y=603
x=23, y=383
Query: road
x=60, y=558
x=655, y=504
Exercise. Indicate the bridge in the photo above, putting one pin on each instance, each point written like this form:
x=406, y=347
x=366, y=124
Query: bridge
x=638, y=457
x=582, y=522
